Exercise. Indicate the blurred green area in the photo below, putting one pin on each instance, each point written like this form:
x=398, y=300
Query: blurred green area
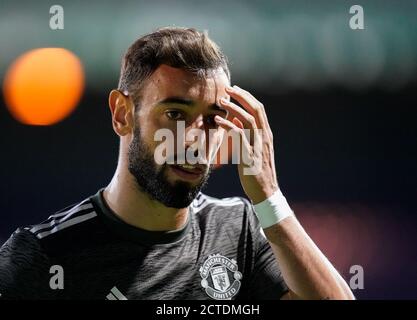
x=284, y=45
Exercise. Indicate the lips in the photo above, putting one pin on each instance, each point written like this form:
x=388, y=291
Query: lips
x=187, y=171
x=190, y=168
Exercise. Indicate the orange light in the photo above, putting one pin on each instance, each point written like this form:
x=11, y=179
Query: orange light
x=43, y=86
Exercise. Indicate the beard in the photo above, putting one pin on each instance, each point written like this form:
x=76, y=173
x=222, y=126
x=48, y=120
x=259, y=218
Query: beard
x=153, y=180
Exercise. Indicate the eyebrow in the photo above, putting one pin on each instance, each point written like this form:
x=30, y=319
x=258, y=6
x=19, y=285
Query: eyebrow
x=188, y=102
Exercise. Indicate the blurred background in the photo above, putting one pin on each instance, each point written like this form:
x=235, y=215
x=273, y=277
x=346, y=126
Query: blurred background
x=342, y=104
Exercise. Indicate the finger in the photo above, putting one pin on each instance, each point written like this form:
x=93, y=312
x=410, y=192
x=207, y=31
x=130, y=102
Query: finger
x=249, y=133
x=247, y=119
x=235, y=125
x=258, y=108
x=251, y=104
x=230, y=125
x=238, y=123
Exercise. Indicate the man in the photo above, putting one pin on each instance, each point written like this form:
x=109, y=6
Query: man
x=151, y=233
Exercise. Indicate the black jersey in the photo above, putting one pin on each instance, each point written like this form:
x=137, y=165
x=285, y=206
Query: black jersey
x=86, y=252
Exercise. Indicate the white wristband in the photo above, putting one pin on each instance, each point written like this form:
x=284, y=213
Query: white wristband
x=273, y=210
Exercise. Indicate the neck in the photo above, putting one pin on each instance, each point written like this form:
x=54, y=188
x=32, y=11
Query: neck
x=136, y=207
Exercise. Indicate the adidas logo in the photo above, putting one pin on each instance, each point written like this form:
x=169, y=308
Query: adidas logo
x=115, y=294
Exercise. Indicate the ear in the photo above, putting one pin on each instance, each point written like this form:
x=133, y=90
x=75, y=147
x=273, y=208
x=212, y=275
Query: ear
x=122, y=112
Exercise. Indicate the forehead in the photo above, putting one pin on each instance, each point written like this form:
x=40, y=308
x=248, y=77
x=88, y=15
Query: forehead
x=167, y=81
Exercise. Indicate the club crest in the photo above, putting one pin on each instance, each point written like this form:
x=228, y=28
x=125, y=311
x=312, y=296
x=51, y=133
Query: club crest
x=221, y=279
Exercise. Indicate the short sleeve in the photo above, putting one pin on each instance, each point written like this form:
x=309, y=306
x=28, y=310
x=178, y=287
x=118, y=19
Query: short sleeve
x=24, y=268
x=266, y=280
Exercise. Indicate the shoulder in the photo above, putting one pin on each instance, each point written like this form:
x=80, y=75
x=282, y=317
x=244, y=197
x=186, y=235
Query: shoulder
x=62, y=228
x=21, y=241
x=204, y=204
x=23, y=265
x=236, y=211
x=25, y=258
x=71, y=218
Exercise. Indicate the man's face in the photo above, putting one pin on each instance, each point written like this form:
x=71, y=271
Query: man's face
x=170, y=96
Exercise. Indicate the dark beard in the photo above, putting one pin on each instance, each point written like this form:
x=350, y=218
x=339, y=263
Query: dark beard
x=153, y=180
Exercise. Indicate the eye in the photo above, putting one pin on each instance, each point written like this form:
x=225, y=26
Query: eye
x=175, y=115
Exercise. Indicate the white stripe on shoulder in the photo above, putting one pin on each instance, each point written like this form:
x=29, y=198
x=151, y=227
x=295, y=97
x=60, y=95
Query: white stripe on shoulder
x=80, y=206
x=66, y=215
x=67, y=224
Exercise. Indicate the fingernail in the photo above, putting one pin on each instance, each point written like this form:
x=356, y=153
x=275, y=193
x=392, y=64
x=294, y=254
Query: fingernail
x=218, y=118
x=230, y=89
x=224, y=100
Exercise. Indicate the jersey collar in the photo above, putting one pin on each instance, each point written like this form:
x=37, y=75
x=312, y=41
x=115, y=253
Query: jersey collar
x=133, y=233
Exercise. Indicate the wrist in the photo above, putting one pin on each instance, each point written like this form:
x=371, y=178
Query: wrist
x=273, y=209
x=262, y=195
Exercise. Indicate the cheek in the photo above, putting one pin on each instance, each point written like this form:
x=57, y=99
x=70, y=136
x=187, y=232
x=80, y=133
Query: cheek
x=147, y=131
x=161, y=139
x=149, y=125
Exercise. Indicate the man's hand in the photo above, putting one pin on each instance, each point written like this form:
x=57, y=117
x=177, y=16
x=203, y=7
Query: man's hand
x=306, y=271
x=258, y=145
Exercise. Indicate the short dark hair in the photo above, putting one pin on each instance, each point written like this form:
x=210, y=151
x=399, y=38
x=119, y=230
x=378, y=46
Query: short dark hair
x=184, y=48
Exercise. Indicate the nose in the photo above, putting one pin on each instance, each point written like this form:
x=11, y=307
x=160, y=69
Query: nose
x=198, y=123
x=194, y=131
x=195, y=136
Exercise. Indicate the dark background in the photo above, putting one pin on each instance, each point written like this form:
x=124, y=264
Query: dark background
x=346, y=157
